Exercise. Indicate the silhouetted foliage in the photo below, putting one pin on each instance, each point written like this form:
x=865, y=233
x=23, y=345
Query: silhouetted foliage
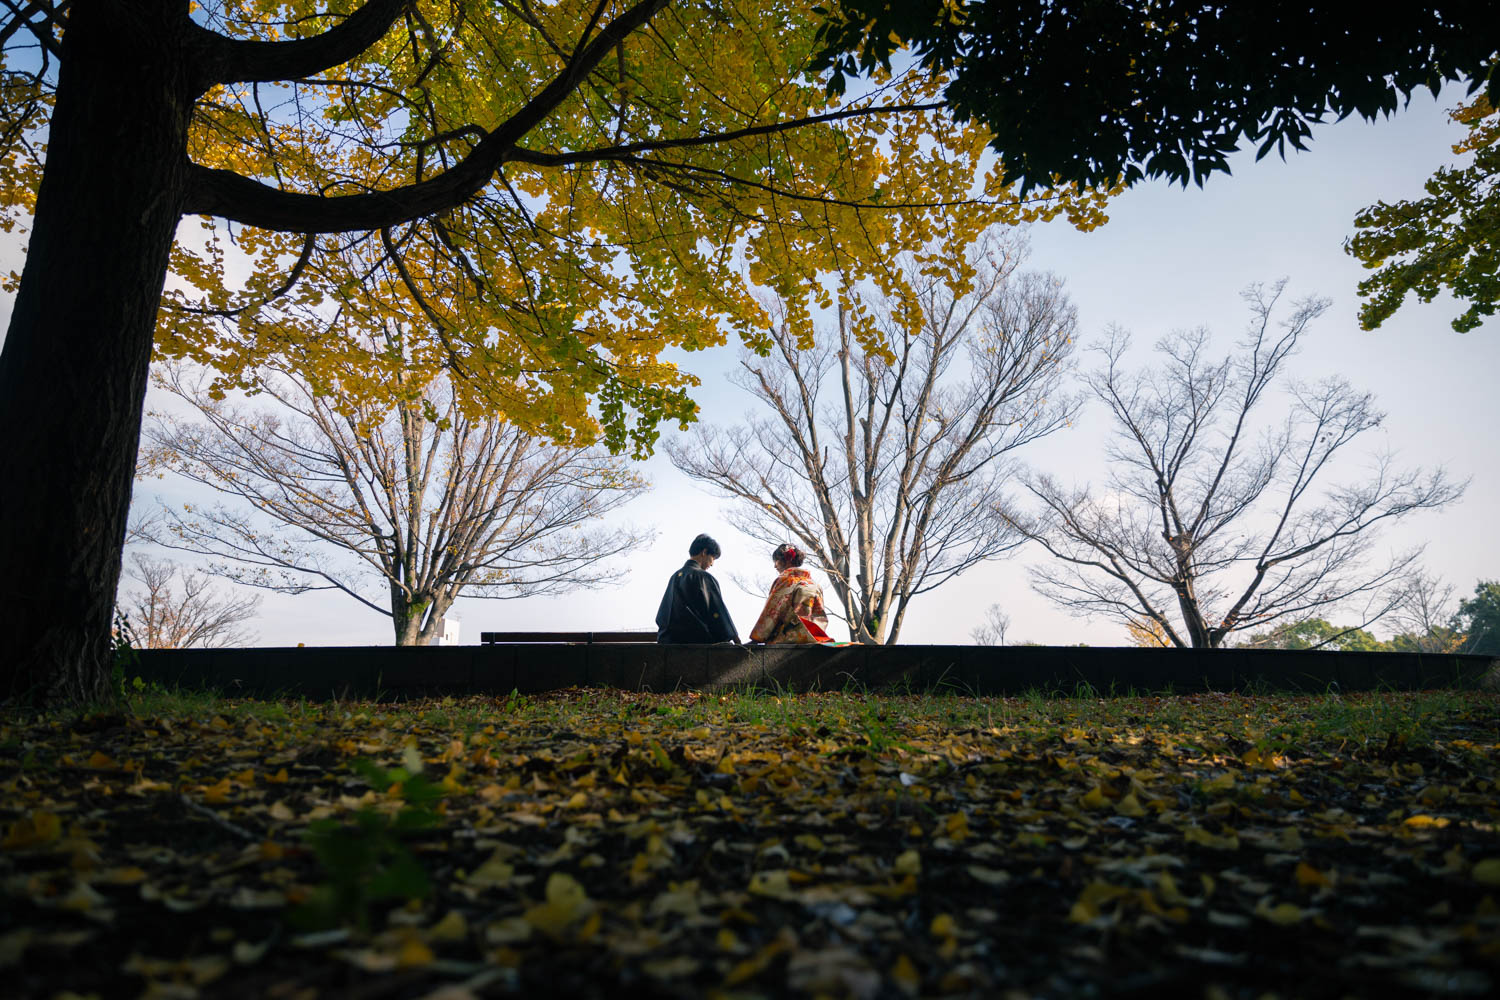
x=1103, y=90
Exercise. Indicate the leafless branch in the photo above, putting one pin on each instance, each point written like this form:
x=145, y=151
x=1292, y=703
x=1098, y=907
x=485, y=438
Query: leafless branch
x=416, y=498
x=1205, y=532
x=174, y=608
x=891, y=471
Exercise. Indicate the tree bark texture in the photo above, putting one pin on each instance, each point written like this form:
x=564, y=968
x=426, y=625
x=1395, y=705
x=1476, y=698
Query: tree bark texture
x=415, y=621
x=74, y=368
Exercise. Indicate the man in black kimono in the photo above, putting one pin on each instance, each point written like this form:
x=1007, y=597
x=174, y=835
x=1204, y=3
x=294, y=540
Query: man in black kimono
x=692, y=609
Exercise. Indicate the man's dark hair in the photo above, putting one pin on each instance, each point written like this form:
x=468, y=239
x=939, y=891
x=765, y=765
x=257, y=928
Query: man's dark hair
x=703, y=543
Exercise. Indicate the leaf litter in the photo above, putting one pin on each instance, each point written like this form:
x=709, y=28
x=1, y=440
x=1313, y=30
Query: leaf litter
x=601, y=843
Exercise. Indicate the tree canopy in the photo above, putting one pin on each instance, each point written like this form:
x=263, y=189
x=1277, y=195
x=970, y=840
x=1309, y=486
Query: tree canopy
x=1315, y=633
x=1100, y=91
x=626, y=220
x=174, y=608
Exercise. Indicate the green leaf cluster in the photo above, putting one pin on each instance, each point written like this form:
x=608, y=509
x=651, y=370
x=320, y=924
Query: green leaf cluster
x=1479, y=616
x=1448, y=241
x=1317, y=633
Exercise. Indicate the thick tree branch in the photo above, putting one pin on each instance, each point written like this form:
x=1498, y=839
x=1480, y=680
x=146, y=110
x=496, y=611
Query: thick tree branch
x=41, y=30
x=230, y=60
x=229, y=195
x=632, y=149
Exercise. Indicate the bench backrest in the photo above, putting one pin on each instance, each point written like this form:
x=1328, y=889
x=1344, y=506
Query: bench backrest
x=493, y=638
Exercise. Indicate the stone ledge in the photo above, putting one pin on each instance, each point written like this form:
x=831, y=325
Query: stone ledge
x=387, y=671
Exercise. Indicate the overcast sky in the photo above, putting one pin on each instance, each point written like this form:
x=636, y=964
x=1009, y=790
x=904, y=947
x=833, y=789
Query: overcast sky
x=1168, y=259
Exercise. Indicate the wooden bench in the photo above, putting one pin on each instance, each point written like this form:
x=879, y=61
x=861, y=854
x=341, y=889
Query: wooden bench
x=581, y=638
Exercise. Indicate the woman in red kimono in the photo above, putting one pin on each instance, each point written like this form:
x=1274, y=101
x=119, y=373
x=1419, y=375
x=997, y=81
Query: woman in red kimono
x=795, y=601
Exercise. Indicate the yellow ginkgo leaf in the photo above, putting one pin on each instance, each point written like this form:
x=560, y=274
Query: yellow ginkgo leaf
x=1094, y=799
x=1307, y=875
x=1166, y=887
x=41, y=827
x=1198, y=835
x=218, y=792
x=1281, y=914
x=494, y=873
x=1091, y=901
x=566, y=902
x=413, y=952
x=452, y=927
x=905, y=974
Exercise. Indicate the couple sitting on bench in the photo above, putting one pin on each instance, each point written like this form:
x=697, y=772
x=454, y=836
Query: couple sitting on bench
x=692, y=610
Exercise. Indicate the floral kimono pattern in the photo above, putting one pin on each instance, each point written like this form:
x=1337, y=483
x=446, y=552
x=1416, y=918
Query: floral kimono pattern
x=794, y=596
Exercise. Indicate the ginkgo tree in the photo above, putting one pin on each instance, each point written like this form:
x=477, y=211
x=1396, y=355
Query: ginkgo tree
x=595, y=179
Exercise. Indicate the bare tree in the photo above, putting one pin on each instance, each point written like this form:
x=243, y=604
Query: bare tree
x=1206, y=527
x=163, y=616
x=887, y=462
x=420, y=498
x=1424, y=619
x=991, y=632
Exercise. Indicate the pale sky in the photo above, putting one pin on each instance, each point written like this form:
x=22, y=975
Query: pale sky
x=1169, y=258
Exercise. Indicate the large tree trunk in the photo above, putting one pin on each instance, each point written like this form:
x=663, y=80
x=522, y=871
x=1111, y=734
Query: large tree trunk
x=1199, y=634
x=74, y=367
x=432, y=626
x=413, y=618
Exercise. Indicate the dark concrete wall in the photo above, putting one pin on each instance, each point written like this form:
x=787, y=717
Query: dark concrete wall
x=388, y=671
